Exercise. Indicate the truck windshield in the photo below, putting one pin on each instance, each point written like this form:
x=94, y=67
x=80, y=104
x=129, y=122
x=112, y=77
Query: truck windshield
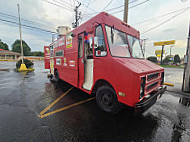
x=117, y=42
x=135, y=47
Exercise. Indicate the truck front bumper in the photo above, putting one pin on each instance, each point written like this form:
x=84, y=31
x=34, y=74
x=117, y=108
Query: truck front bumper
x=146, y=103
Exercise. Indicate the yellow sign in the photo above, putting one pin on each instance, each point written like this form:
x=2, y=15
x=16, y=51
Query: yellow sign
x=159, y=51
x=69, y=40
x=164, y=43
x=158, y=55
x=52, y=66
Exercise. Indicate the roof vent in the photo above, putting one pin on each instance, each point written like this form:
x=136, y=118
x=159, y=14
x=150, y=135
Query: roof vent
x=63, y=30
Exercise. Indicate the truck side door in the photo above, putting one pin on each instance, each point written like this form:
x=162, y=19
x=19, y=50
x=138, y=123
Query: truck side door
x=81, y=59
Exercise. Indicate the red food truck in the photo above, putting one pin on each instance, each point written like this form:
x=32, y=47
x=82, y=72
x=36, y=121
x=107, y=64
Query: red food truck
x=103, y=56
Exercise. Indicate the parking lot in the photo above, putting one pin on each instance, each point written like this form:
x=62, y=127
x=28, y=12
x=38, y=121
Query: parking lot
x=27, y=112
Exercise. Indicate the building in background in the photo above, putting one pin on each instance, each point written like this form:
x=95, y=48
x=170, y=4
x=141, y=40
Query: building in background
x=9, y=55
x=34, y=58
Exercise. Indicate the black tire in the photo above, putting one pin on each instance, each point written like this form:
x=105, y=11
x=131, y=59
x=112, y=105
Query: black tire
x=57, y=79
x=106, y=99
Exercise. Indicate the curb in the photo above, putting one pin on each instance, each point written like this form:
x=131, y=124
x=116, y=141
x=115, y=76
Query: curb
x=179, y=92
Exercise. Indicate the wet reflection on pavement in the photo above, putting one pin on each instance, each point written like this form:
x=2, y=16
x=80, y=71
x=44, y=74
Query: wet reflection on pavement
x=25, y=95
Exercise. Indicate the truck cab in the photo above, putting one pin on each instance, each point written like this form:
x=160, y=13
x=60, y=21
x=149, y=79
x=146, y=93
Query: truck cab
x=104, y=56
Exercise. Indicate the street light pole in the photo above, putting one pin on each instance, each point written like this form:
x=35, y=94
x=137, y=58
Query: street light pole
x=20, y=34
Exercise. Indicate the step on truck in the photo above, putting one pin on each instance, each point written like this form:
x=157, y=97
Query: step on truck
x=103, y=56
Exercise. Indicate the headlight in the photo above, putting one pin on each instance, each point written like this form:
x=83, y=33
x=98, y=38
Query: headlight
x=162, y=78
x=143, y=82
x=141, y=90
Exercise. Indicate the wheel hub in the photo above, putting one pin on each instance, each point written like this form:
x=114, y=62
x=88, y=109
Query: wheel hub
x=107, y=99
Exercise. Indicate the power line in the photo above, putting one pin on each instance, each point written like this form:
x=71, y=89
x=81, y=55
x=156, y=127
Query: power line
x=111, y=9
x=27, y=21
x=85, y=5
x=107, y=5
x=121, y=6
x=139, y=4
x=36, y=34
x=133, y=1
x=93, y=2
x=58, y=5
x=164, y=22
x=63, y=2
x=115, y=8
x=132, y=6
x=44, y=30
x=159, y=16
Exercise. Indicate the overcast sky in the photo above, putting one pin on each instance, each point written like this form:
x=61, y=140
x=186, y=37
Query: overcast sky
x=49, y=17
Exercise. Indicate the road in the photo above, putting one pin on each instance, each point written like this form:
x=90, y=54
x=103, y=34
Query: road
x=24, y=96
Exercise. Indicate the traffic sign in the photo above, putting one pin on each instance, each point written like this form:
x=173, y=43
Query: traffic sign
x=159, y=51
x=158, y=55
x=164, y=43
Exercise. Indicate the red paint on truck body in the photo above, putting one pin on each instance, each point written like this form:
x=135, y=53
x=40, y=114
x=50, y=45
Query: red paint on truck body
x=123, y=74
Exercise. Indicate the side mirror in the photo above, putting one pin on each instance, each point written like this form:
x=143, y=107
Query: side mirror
x=95, y=42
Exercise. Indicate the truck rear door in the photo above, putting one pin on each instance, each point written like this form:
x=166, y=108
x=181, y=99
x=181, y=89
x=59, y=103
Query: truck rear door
x=47, y=57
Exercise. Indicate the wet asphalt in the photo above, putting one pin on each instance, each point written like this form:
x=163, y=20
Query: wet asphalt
x=23, y=96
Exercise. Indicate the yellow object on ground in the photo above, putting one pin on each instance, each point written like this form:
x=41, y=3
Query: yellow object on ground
x=23, y=68
x=168, y=84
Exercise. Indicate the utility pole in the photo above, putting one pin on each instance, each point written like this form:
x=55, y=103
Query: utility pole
x=144, y=41
x=186, y=73
x=20, y=34
x=77, y=16
x=125, y=17
x=53, y=37
x=162, y=54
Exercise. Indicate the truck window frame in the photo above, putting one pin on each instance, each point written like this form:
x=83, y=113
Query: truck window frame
x=79, y=51
x=126, y=40
x=87, y=44
x=130, y=46
x=58, y=51
x=102, y=27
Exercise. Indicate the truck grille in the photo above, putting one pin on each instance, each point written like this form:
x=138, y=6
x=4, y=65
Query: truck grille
x=151, y=86
x=152, y=76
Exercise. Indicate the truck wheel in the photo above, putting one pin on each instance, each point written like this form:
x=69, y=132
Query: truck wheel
x=106, y=99
x=57, y=76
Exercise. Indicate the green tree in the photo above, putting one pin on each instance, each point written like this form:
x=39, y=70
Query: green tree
x=37, y=53
x=26, y=49
x=167, y=59
x=3, y=45
x=153, y=59
x=177, y=59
